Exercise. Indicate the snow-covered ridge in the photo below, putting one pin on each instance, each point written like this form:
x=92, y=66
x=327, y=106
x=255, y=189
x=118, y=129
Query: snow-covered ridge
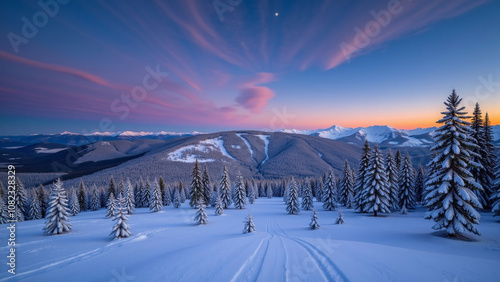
x=191, y=153
x=380, y=133
x=131, y=133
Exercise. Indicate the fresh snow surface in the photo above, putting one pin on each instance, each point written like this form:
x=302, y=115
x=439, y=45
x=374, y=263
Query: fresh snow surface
x=246, y=143
x=168, y=246
x=41, y=150
x=265, y=138
x=191, y=153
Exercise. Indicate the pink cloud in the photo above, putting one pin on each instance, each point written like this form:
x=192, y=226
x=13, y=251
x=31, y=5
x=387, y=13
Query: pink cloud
x=254, y=97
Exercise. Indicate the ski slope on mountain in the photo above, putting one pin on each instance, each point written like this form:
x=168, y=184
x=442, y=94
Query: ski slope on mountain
x=167, y=246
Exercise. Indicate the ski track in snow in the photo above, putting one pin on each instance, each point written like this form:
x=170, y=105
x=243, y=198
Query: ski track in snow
x=265, y=138
x=252, y=268
x=246, y=143
x=88, y=254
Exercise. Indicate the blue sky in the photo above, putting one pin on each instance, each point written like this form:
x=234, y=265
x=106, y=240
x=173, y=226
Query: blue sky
x=250, y=70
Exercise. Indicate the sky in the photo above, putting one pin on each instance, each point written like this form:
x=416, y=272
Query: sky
x=179, y=65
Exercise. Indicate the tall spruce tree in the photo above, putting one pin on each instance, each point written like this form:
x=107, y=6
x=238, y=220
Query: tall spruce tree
x=177, y=199
x=218, y=206
x=35, y=208
x=21, y=203
x=44, y=199
x=95, y=202
x=360, y=179
x=111, y=206
x=307, y=201
x=347, y=187
x=207, y=188
x=225, y=189
x=406, y=184
x=240, y=198
x=156, y=203
x=146, y=194
x=58, y=212
x=488, y=159
x=162, y=186
x=82, y=196
x=453, y=203
x=392, y=180
x=74, y=205
x=130, y=199
x=111, y=189
x=121, y=188
x=329, y=192
x=167, y=196
x=418, y=188
x=479, y=173
x=292, y=205
x=398, y=159
x=196, y=193
x=376, y=195
x=252, y=193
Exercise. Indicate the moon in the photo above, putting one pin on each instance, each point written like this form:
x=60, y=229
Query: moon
x=276, y=14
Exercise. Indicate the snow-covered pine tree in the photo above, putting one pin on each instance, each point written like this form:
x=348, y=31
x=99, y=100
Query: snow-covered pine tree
x=269, y=192
x=219, y=208
x=249, y=226
x=418, y=188
x=95, y=202
x=111, y=206
x=340, y=217
x=307, y=201
x=375, y=193
x=139, y=193
x=121, y=188
x=167, y=196
x=360, y=179
x=111, y=189
x=177, y=199
x=452, y=205
x=130, y=199
x=74, y=205
x=44, y=199
x=121, y=229
x=347, y=187
x=252, y=193
x=329, y=192
x=399, y=160
x=35, y=208
x=207, y=188
x=21, y=203
x=156, y=204
x=225, y=188
x=57, y=213
x=314, y=221
x=162, y=186
x=406, y=182
x=196, y=193
x=240, y=198
x=488, y=159
x=146, y=194
x=479, y=173
x=201, y=214
x=392, y=180
x=82, y=196
x=292, y=205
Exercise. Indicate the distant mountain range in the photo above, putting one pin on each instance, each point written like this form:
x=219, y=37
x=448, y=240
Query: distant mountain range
x=381, y=134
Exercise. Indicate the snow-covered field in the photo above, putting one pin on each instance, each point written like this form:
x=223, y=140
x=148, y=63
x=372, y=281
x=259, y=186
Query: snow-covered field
x=168, y=246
